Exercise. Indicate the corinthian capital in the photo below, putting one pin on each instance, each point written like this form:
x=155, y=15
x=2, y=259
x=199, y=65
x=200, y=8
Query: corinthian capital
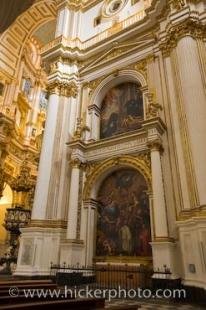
x=63, y=89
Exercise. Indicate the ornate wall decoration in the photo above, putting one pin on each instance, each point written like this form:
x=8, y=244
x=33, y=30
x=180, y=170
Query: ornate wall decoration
x=188, y=27
x=140, y=162
x=94, y=84
x=123, y=226
x=63, y=89
x=112, y=7
x=178, y=4
x=153, y=108
x=121, y=110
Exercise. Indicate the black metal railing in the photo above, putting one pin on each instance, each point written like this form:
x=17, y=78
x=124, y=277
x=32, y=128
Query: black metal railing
x=103, y=275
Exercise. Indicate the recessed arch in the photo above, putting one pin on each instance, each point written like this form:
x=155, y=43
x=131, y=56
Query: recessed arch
x=111, y=81
x=99, y=172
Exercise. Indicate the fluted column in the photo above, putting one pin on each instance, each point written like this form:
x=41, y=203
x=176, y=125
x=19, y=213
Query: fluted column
x=73, y=199
x=44, y=174
x=193, y=97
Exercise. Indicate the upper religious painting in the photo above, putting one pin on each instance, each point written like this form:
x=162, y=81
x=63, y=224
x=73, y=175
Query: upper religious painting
x=121, y=110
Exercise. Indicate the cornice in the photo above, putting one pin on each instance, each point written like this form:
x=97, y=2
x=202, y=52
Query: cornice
x=140, y=24
x=78, y=5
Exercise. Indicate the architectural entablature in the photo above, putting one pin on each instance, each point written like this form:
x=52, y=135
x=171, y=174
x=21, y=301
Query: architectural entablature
x=99, y=150
x=139, y=141
x=122, y=31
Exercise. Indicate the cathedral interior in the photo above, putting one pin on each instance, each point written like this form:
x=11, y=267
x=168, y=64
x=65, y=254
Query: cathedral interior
x=102, y=130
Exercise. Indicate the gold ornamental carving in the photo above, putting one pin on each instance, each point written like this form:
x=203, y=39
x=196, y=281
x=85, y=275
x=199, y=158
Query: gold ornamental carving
x=94, y=84
x=76, y=163
x=80, y=130
x=63, y=89
x=177, y=4
x=156, y=145
x=140, y=66
x=189, y=27
x=140, y=162
x=153, y=107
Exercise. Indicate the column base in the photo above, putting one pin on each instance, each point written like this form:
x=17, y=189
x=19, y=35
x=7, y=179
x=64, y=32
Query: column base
x=165, y=253
x=38, y=248
x=193, y=247
x=72, y=252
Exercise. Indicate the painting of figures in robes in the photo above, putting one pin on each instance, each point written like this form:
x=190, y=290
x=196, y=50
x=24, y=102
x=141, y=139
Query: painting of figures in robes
x=123, y=224
x=121, y=110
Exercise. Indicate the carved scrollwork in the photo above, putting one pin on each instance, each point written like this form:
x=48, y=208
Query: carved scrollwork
x=153, y=108
x=178, y=4
x=189, y=27
x=80, y=130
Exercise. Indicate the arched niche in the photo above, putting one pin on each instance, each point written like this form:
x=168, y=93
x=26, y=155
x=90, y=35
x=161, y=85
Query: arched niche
x=123, y=215
x=124, y=77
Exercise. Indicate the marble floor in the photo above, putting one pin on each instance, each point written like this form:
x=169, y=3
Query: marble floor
x=147, y=305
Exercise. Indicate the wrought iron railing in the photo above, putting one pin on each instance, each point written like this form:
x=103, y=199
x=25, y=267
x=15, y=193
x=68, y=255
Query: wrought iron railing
x=103, y=275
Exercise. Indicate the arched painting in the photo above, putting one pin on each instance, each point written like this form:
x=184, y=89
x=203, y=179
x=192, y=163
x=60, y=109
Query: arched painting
x=123, y=225
x=121, y=110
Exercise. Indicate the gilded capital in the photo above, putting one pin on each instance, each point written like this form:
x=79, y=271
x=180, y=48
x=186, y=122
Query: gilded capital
x=75, y=163
x=63, y=89
x=155, y=145
x=194, y=29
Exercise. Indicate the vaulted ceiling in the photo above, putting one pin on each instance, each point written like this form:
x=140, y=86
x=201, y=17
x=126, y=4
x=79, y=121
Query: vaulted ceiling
x=10, y=10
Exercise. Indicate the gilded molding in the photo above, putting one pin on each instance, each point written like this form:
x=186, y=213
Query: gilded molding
x=48, y=224
x=192, y=213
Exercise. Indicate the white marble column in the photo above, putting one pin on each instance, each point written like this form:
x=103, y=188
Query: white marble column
x=159, y=206
x=45, y=164
x=90, y=232
x=73, y=200
x=163, y=249
x=193, y=97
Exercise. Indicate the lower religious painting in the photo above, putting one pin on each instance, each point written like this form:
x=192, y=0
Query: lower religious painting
x=123, y=225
